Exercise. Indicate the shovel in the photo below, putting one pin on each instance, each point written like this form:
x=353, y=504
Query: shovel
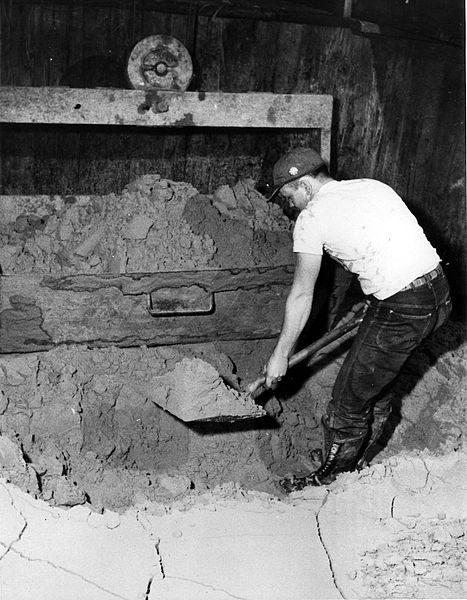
x=247, y=394
x=194, y=391
x=253, y=388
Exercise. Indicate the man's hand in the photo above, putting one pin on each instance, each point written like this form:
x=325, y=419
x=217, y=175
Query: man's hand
x=276, y=369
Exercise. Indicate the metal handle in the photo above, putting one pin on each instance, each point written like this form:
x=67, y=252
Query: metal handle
x=183, y=301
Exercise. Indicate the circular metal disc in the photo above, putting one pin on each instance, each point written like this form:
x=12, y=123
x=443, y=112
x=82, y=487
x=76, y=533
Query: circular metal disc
x=160, y=62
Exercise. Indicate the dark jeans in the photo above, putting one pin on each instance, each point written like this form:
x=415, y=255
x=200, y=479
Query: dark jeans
x=391, y=330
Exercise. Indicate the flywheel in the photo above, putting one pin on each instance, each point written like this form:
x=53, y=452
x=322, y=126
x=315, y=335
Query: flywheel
x=160, y=62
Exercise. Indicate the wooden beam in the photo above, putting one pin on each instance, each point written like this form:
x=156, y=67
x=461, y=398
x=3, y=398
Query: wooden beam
x=212, y=280
x=39, y=312
x=285, y=10
x=417, y=20
x=149, y=108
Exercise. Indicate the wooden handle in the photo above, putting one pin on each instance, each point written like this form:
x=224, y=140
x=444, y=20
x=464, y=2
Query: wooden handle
x=328, y=338
x=324, y=341
x=252, y=387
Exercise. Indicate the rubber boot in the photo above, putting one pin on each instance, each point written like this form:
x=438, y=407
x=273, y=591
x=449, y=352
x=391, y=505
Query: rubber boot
x=340, y=455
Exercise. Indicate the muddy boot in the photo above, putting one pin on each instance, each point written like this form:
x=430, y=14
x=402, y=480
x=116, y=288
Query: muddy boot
x=377, y=429
x=340, y=455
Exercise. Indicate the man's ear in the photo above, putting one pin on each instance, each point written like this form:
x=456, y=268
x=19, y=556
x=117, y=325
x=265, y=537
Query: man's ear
x=306, y=185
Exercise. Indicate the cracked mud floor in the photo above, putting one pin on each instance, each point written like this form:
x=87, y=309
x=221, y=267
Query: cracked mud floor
x=395, y=530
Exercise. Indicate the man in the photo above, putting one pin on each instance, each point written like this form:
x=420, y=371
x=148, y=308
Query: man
x=366, y=227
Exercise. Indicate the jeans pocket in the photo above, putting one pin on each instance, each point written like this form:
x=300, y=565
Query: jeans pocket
x=401, y=332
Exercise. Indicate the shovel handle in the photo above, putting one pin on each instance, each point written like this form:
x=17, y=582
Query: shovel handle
x=324, y=341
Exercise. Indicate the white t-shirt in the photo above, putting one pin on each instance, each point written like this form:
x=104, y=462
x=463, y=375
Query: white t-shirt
x=365, y=226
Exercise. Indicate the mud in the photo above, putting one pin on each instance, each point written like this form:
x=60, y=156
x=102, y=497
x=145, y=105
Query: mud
x=257, y=233
x=424, y=562
x=85, y=422
x=86, y=425
x=153, y=225
x=397, y=529
x=394, y=530
x=194, y=391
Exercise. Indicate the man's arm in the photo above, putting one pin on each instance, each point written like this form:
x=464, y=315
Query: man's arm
x=297, y=311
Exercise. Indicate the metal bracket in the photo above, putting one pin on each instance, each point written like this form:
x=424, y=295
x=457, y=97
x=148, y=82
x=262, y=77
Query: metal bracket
x=181, y=301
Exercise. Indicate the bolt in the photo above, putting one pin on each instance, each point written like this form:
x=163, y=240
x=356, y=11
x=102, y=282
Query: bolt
x=161, y=68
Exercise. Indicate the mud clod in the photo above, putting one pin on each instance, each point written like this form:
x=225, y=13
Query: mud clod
x=194, y=391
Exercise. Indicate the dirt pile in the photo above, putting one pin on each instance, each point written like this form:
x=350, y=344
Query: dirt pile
x=85, y=422
x=424, y=562
x=139, y=230
x=82, y=419
x=153, y=225
x=430, y=396
x=404, y=527
x=245, y=228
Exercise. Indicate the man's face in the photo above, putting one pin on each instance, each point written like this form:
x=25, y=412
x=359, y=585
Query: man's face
x=295, y=195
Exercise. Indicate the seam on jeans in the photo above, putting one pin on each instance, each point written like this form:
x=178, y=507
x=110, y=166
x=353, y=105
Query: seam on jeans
x=414, y=317
x=332, y=403
x=430, y=325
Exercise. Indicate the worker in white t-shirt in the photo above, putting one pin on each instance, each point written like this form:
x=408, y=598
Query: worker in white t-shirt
x=365, y=226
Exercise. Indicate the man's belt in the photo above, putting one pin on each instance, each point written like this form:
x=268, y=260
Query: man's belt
x=424, y=279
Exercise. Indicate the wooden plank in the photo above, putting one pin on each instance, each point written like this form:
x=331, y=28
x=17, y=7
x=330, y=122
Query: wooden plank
x=210, y=54
x=251, y=9
x=40, y=312
x=437, y=19
x=325, y=144
x=149, y=108
x=213, y=280
x=440, y=21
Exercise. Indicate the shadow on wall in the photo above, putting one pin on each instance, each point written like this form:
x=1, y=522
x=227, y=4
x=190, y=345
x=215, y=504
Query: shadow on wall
x=453, y=254
x=97, y=71
x=108, y=71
